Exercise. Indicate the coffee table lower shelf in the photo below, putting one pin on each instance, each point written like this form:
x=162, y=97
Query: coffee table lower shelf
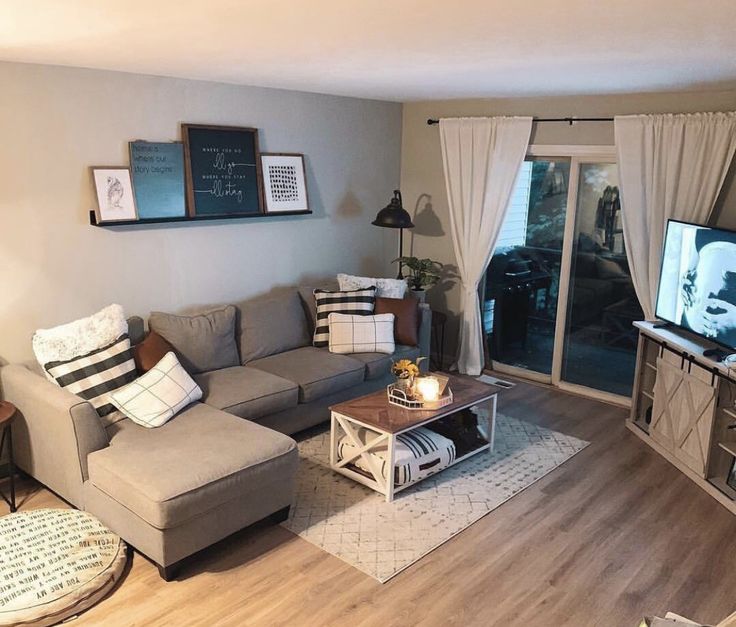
x=373, y=476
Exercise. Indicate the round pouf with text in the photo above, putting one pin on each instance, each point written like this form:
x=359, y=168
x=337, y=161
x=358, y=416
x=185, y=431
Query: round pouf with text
x=55, y=563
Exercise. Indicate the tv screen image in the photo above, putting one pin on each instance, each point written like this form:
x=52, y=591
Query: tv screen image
x=697, y=284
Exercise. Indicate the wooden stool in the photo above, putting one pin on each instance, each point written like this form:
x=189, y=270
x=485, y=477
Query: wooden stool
x=7, y=414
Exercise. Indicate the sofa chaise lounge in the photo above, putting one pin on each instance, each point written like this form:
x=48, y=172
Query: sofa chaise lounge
x=220, y=464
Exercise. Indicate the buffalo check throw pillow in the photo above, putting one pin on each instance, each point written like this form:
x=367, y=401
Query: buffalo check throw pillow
x=355, y=302
x=157, y=396
x=361, y=334
x=95, y=375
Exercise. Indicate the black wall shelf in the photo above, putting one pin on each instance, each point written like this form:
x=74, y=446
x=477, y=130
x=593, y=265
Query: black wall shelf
x=93, y=218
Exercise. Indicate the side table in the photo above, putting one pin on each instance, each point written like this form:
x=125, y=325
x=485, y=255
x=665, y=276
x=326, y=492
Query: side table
x=439, y=320
x=7, y=414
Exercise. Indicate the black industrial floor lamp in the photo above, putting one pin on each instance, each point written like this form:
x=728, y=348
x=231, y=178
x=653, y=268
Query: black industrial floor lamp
x=394, y=216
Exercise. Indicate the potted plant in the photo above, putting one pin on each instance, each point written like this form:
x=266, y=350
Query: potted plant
x=423, y=274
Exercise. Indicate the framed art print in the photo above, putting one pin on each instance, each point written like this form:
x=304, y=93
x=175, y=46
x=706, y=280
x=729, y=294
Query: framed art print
x=223, y=170
x=157, y=169
x=115, y=198
x=284, y=183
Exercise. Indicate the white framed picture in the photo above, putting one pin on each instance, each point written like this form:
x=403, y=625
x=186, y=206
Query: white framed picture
x=284, y=182
x=115, y=198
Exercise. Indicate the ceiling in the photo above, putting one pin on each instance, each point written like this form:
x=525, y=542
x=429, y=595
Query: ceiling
x=390, y=49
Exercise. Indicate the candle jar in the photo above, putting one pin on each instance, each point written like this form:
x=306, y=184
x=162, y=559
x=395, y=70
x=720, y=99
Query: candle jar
x=427, y=388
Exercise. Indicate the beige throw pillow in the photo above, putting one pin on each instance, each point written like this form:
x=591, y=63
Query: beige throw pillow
x=361, y=334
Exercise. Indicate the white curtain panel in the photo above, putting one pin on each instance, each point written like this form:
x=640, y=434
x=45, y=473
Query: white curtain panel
x=481, y=158
x=670, y=166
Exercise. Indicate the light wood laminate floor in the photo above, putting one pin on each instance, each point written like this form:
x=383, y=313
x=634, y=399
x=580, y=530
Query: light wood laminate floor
x=613, y=534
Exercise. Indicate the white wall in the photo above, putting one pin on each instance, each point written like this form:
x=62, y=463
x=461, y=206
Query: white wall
x=422, y=178
x=56, y=122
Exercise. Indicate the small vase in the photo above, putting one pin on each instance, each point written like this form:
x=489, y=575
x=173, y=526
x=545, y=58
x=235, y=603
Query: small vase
x=406, y=385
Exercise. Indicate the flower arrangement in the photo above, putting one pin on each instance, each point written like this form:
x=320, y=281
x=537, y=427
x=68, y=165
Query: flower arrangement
x=405, y=370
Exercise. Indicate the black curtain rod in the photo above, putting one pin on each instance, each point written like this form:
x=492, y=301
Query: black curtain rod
x=570, y=121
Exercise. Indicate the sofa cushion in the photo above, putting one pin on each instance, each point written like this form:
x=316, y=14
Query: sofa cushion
x=150, y=351
x=197, y=461
x=316, y=371
x=96, y=375
x=357, y=302
x=203, y=342
x=247, y=392
x=306, y=294
x=158, y=395
x=387, y=288
x=271, y=325
x=406, y=318
x=74, y=339
x=356, y=334
x=378, y=365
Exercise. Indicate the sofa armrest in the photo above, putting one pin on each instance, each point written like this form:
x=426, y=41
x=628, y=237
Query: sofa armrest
x=54, y=432
x=425, y=332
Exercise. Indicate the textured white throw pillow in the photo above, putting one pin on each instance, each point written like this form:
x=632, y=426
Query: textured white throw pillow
x=385, y=288
x=80, y=337
x=157, y=396
x=361, y=334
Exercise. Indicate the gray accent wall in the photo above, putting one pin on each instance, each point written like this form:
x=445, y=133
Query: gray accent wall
x=422, y=178
x=55, y=122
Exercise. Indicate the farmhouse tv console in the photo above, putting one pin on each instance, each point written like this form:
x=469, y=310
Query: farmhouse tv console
x=683, y=406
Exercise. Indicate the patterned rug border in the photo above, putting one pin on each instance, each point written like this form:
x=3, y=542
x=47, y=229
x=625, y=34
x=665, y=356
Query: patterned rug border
x=584, y=445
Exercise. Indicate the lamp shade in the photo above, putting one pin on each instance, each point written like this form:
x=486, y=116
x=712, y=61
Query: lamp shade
x=393, y=215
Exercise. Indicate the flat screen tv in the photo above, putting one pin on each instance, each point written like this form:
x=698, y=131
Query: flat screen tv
x=697, y=283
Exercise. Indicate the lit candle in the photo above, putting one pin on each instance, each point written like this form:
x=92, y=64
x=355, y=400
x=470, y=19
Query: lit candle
x=428, y=388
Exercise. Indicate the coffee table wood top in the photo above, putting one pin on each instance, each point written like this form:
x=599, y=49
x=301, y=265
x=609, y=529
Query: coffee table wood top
x=374, y=410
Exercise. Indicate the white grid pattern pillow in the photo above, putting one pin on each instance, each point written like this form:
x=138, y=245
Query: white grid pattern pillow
x=361, y=334
x=357, y=302
x=157, y=396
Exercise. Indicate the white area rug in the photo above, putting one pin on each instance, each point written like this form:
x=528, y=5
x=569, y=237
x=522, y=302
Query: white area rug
x=381, y=539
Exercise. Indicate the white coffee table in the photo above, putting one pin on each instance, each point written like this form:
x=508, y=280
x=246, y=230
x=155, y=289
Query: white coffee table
x=383, y=422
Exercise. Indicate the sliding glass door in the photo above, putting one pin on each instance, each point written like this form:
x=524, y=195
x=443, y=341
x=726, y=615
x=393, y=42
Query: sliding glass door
x=522, y=281
x=599, y=349
x=558, y=301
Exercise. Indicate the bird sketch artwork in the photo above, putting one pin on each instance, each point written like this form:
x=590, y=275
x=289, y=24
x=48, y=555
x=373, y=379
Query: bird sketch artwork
x=115, y=192
x=115, y=199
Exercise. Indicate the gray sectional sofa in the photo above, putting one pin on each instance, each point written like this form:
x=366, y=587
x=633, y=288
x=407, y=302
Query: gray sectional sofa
x=220, y=464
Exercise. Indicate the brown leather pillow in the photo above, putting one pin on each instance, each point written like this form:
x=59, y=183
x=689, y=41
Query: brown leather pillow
x=406, y=318
x=150, y=351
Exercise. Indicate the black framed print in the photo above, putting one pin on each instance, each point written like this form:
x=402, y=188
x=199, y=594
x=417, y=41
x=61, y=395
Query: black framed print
x=284, y=183
x=223, y=170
